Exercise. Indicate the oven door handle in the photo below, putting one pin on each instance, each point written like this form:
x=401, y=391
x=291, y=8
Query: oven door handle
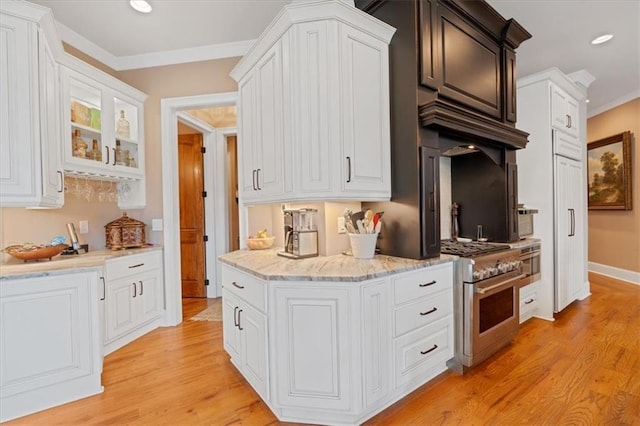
x=483, y=290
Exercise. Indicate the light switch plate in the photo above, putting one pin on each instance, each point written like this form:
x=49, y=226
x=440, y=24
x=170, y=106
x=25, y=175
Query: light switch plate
x=84, y=226
x=156, y=225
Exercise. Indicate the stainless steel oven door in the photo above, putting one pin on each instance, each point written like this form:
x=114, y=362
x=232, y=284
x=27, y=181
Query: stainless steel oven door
x=493, y=309
x=530, y=257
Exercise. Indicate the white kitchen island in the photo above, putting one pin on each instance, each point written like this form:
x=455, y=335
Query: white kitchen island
x=335, y=340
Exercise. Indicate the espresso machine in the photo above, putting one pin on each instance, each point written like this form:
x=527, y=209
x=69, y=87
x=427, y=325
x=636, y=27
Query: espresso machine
x=300, y=234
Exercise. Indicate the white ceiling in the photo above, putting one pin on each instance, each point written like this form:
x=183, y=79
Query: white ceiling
x=189, y=30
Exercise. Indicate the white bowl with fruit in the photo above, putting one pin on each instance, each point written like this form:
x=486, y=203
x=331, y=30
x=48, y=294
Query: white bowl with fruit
x=261, y=241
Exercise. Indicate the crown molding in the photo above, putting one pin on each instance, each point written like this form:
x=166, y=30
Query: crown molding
x=616, y=102
x=155, y=59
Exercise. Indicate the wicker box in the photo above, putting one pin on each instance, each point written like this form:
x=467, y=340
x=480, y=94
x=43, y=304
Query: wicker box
x=125, y=232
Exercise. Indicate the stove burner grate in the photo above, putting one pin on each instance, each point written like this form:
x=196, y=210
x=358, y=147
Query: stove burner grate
x=470, y=249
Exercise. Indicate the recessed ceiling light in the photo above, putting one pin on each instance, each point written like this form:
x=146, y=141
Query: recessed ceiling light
x=587, y=101
x=603, y=38
x=140, y=5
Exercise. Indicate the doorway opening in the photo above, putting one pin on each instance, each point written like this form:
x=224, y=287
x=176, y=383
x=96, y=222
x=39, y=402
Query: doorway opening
x=216, y=180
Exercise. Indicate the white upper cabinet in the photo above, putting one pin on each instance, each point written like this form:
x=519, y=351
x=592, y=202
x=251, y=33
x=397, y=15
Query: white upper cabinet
x=564, y=112
x=102, y=132
x=30, y=171
x=314, y=107
x=261, y=128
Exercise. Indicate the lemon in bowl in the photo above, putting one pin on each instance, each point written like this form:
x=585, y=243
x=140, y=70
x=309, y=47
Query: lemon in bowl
x=260, y=243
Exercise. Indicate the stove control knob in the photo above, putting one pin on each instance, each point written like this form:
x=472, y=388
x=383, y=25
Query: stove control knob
x=492, y=270
x=478, y=275
x=503, y=267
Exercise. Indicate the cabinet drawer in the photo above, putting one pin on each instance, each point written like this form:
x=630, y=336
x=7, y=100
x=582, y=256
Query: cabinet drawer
x=423, y=353
x=246, y=286
x=415, y=284
x=422, y=312
x=132, y=264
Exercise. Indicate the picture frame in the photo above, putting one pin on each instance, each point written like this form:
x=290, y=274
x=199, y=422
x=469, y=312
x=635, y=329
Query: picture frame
x=609, y=176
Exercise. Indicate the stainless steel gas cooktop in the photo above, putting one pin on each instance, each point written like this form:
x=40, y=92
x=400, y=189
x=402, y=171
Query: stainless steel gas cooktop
x=470, y=249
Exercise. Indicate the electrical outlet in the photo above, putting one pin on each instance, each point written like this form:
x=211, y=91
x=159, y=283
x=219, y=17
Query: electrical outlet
x=84, y=226
x=342, y=229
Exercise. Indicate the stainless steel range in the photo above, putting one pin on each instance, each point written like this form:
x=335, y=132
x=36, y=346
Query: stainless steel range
x=486, y=300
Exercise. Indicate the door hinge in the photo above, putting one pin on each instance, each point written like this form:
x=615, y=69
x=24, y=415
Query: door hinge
x=205, y=238
x=206, y=282
x=204, y=194
x=203, y=150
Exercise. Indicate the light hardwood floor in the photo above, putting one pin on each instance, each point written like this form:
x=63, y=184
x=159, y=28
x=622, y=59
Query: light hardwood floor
x=582, y=369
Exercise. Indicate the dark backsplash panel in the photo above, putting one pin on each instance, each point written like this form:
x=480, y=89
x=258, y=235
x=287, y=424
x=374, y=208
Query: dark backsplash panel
x=479, y=186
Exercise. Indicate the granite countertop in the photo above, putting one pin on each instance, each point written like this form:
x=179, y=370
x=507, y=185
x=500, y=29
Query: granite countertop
x=15, y=268
x=527, y=242
x=267, y=265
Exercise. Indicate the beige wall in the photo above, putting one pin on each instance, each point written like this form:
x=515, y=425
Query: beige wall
x=614, y=235
x=19, y=225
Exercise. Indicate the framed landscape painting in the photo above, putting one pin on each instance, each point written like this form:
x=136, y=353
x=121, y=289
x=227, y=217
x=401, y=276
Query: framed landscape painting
x=609, y=173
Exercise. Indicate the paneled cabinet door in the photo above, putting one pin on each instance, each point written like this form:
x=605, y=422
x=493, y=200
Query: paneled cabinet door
x=365, y=108
x=120, y=312
x=253, y=342
x=564, y=111
x=30, y=170
x=569, y=239
x=150, y=295
x=260, y=134
x=230, y=330
x=312, y=348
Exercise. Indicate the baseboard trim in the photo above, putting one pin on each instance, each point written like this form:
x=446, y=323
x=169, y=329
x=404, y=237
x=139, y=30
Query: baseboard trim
x=617, y=273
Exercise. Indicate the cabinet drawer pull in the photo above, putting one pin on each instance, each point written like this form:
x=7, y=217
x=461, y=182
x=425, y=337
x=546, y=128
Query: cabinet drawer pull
x=107, y=162
x=529, y=301
x=430, y=311
x=235, y=316
x=235, y=284
x=254, y=180
x=258, y=180
x=348, y=169
x=114, y=156
x=141, y=288
x=136, y=265
x=239, y=326
x=61, y=181
x=104, y=289
x=135, y=289
x=429, y=350
x=427, y=284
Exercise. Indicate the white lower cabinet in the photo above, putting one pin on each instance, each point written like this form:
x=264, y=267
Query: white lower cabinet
x=50, y=339
x=313, y=340
x=528, y=301
x=133, y=297
x=423, y=324
x=337, y=352
x=245, y=326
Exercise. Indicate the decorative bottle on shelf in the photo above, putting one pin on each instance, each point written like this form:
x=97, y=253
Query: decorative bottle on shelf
x=76, y=143
x=122, y=127
x=118, y=153
x=96, y=152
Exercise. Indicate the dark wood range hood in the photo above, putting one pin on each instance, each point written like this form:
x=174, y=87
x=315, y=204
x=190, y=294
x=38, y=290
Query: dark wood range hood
x=452, y=82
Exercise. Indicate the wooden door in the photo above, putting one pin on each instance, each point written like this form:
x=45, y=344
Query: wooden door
x=232, y=167
x=192, y=231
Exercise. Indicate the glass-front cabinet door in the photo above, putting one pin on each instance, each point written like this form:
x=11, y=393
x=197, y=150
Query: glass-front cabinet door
x=102, y=135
